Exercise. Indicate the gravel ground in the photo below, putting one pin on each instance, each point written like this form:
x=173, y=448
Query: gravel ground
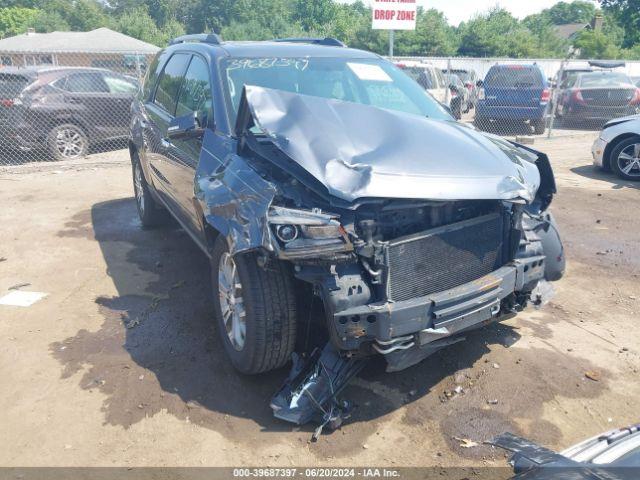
x=120, y=365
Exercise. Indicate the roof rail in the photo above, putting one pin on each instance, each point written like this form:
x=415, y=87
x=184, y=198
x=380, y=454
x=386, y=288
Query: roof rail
x=327, y=41
x=210, y=38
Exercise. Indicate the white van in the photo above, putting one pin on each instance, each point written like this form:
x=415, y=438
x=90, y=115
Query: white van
x=429, y=77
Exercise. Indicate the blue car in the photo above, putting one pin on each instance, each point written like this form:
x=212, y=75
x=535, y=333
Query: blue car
x=514, y=93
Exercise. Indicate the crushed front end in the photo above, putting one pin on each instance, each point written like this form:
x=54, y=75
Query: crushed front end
x=405, y=252
x=400, y=278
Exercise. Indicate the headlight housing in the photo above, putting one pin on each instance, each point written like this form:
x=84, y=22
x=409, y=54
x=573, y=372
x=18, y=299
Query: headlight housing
x=306, y=233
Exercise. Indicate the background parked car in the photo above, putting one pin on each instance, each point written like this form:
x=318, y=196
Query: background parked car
x=429, y=77
x=64, y=109
x=597, y=97
x=514, y=93
x=618, y=147
x=459, y=102
x=470, y=79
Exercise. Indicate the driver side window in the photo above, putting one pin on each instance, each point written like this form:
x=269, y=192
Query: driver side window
x=195, y=92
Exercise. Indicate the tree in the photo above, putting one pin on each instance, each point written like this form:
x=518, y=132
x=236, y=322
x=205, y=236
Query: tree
x=548, y=43
x=627, y=15
x=314, y=15
x=77, y=15
x=596, y=45
x=496, y=33
x=15, y=20
x=139, y=24
x=574, y=12
x=433, y=36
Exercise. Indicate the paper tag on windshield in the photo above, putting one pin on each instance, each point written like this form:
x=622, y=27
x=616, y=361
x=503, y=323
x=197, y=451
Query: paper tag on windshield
x=366, y=71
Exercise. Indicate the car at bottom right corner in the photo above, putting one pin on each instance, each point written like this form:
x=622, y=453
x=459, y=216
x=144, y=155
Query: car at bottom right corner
x=617, y=148
x=612, y=455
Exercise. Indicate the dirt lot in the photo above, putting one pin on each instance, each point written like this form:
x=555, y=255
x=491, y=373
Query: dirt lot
x=120, y=365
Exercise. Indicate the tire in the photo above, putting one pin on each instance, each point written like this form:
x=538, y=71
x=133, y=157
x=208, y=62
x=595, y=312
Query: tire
x=151, y=213
x=268, y=308
x=539, y=126
x=629, y=147
x=456, y=109
x=67, y=142
x=480, y=123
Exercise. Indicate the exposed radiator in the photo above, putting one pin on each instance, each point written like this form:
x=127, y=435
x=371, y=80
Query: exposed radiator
x=444, y=257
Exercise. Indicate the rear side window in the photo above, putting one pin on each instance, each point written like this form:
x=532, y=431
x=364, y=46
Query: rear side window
x=12, y=85
x=195, y=93
x=118, y=84
x=514, y=77
x=86, y=83
x=169, y=82
x=604, y=79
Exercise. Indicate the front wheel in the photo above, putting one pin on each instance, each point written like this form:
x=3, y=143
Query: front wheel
x=67, y=142
x=625, y=159
x=254, y=308
x=539, y=126
x=456, y=108
x=150, y=213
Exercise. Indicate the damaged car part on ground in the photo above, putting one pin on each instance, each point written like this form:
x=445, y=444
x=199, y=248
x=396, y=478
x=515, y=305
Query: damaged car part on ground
x=410, y=228
x=613, y=455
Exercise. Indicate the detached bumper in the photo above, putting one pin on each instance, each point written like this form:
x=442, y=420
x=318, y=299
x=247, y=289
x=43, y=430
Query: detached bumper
x=394, y=325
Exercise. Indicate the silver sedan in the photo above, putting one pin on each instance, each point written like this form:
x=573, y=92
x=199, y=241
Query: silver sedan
x=618, y=147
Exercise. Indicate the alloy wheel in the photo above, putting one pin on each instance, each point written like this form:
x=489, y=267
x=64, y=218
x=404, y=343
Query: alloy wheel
x=629, y=160
x=138, y=187
x=70, y=143
x=231, y=302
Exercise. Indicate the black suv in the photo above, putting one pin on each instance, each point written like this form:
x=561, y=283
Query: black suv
x=305, y=169
x=64, y=109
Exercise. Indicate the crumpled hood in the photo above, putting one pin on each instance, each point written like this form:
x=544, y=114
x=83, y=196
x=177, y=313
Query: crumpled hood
x=360, y=151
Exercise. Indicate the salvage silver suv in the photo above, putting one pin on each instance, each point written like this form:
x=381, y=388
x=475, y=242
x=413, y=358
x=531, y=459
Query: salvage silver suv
x=305, y=169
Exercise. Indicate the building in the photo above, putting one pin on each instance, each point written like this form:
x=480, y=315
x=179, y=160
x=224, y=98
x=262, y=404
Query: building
x=101, y=47
x=569, y=31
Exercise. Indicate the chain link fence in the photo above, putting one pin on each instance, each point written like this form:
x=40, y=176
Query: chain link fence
x=530, y=97
x=66, y=105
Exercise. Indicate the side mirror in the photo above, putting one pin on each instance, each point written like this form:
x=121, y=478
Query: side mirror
x=479, y=84
x=185, y=127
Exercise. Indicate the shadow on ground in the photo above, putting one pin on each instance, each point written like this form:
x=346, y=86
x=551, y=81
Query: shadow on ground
x=594, y=173
x=157, y=351
x=9, y=156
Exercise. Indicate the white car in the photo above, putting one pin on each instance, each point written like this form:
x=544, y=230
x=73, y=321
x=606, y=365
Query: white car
x=429, y=77
x=618, y=147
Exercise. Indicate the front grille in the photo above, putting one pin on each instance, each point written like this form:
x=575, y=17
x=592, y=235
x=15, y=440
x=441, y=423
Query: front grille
x=444, y=257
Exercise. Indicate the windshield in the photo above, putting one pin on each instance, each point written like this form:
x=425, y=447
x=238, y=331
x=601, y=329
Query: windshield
x=604, y=79
x=372, y=82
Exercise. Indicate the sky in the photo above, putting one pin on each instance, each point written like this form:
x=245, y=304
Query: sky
x=457, y=11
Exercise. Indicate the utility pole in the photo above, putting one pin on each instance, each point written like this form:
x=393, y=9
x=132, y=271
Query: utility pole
x=391, y=37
